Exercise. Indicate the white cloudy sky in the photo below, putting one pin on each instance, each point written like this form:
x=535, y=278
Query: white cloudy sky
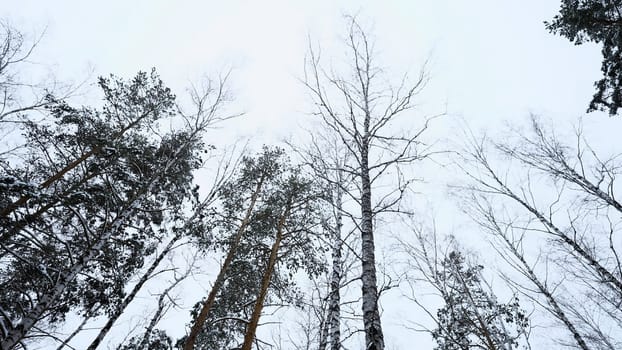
x=491, y=61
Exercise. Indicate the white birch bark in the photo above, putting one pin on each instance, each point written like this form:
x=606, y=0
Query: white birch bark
x=334, y=313
x=371, y=316
x=359, y=108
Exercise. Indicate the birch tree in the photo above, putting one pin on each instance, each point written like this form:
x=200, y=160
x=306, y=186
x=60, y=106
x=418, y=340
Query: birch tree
x=555, y=223
x=510, y=243
x=362, y=110
x=326, y=157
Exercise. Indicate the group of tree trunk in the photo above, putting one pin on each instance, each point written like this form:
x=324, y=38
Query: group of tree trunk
x=97, y=203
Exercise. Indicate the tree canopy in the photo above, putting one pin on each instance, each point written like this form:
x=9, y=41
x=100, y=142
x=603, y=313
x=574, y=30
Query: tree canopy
x=598, y=21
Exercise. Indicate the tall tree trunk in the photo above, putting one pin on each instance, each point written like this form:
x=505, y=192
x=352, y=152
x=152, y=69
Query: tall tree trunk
x=374, y=338
x=209, y=302
x=555, y=309
x=128, y=299
x=251, y=328
x=79, y=328
x=333, y=318
x=158, y=314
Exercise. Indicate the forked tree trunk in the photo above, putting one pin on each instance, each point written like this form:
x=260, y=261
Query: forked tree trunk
x=209, y=302
x=251, y=328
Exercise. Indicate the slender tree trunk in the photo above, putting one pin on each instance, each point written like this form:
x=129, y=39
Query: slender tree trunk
x=607, y=277
x=555, y=309
x=209, y=302
x=156, y=317
x=128, y=299
x=79, y=329
x=154, y=321
x=374, y=338
x=334, y=317
x=251, y=328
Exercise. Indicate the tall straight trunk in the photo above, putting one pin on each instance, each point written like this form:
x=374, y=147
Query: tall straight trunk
x=334, y=317
x=374, y=338
x=251, y=328
x=324, y=332
x=209, y=302
x=128, y=299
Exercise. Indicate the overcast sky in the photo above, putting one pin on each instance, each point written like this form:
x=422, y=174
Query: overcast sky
x=491, y=61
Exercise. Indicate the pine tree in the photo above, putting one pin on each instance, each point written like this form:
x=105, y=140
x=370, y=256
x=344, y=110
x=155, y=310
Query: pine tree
x=252, y=204
x=596, y=21
x=85, y=210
